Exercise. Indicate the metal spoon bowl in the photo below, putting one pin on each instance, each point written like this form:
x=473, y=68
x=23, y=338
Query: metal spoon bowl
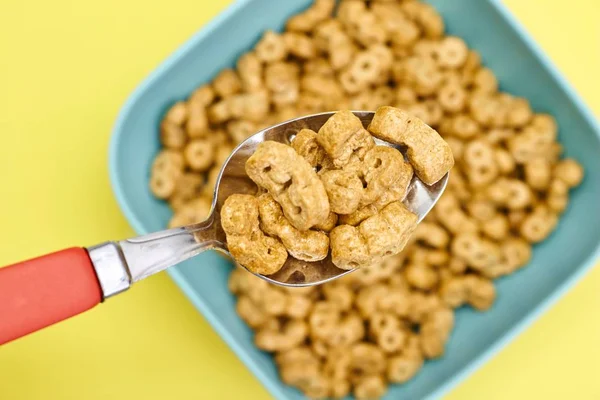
x=149, y=254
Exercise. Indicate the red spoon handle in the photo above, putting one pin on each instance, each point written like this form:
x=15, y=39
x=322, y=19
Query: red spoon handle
x=45, y=290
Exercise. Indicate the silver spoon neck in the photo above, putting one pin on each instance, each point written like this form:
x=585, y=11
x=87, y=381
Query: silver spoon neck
x=120, y=264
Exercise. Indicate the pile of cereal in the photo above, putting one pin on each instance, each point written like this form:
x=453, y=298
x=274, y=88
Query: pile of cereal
x=335, y=188
x=506, y=191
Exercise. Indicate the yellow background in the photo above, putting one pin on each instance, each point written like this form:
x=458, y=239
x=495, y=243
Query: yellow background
x=66, y=67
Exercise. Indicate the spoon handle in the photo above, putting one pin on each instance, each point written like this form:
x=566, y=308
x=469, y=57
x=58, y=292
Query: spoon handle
x=152, y=253
x=42, y=291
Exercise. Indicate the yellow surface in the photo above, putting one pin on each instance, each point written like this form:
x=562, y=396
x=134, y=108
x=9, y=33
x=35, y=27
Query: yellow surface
x=66, y=67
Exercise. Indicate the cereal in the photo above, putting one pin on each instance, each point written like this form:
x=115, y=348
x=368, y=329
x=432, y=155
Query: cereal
x=251, y=106
x=328, y=224
x=250, y=70
x=178, y=113
x=303, y=245
x=538, y=173
x=247, y=244
x=380, y=235
x=271, y=47
x=299, y=45
x=291, y=335
x=197, y=121
x=305, y=143
x=429, y=155
x=281, y=79
x=431, y=22
x=343, y=136
x=306, y=21
x=166, y=170
x=452, y=52
x=402, y=368
x=386, y=175
x=421, y=276
x=536, y=226
x=188, y=187
x=569, y=171
x=452, y=97
x=505, y=193
x=227, y=83
x=199, y=154
x=172, y=135
x=344, y=190
x=435, y=330
x=191, y=212
x=370, y=387
x=291, y=181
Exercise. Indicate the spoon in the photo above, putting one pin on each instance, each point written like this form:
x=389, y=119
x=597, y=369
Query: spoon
x=42, y=291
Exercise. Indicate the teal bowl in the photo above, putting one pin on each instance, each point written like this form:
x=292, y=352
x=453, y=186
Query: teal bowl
x=522, y=70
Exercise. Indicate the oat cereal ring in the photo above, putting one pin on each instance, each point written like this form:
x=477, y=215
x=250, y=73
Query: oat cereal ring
x=178, y=113
x=250, y=70
x=302, y=354
x=341, y=51
x=464, y=127
x=429, y=155
x=167, y=167
x=299, y=45
x=430, y=20
x=323, y=319
x=384, y=169
x=271, y=47
x=226, y=83
x=344, y=190
x=538, y=225
x=365, y=67
x=203, y=96
x=402, y=368
x=370, y=387
x=291, y=181
x=172, y=136
x=187, y=187
x=302, y=245
x=569, y=171
x=199, y=154
x=366, y=359
x=432, y=234
x=452, y=97
x=350, y=330
x=306, y=377
x=242, y=282
x=454, y=291
x=452, y=52
x=250, y=313
x=504, y=160
x=481, y=209
x=343, y=136
x=405, y=96
x=251, y=106
x=538, y=173
x=311, y=17
x=421, y=276
x=247, y=244
x=484, y=81
x=383, y=234
x=421, y=305
x=496, y=228
x=477, y=252
x=292, y=334
x=557, y=196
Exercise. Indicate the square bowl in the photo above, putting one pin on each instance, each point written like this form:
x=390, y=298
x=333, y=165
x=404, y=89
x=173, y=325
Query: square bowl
x=521, y=69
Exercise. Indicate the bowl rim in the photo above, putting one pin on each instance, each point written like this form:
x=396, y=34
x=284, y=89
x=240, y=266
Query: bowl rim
x=274, y=386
